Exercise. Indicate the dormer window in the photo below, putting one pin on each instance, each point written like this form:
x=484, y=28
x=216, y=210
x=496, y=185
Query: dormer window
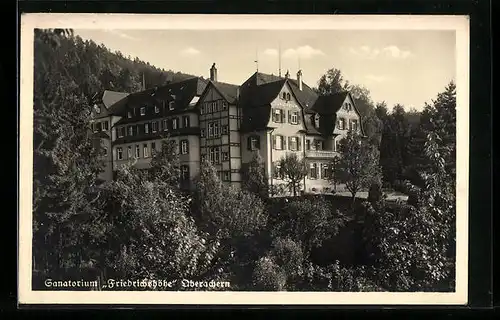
x=157, y=109
x=143, y=111
x=129, y=114
x=97, y=109
x=316, y=120
x=171, y=105
x=253, y=143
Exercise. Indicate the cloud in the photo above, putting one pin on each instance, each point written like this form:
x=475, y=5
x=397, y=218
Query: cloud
x=271, y=52
x=368, y=52
x=120, y=34
x=305, y=52
x=375, y=78
x=397, y=53
x=190, y=51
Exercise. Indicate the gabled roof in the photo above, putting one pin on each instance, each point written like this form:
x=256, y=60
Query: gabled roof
x=227, y=90
x=329, y=104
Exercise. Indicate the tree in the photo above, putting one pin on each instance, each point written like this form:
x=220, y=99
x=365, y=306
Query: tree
x=332, y=82
x=255, y=179
x=233, y=216
x=292, y=170
x=66, y=198
x=152, y=235
x=357, y=166
x=165, y=164
x=308, y=222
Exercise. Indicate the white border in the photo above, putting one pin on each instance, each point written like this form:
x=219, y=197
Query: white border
x=243, y=22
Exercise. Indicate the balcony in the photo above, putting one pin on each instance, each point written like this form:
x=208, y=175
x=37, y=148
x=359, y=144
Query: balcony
x=321, y=154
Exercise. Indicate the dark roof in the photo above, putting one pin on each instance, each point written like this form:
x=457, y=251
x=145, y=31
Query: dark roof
x=329, y=104
x=227, y=90
x=182, y=92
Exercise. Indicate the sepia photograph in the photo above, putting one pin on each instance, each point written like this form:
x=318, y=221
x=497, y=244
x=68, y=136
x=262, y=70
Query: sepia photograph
x=221, y=159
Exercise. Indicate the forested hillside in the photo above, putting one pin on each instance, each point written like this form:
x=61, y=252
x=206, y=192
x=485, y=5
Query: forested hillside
x=98, y=68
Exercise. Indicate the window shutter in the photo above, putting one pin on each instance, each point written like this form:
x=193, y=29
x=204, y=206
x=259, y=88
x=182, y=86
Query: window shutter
x=289, y=116
x=283, y=116
x=272, y=114
x=187, y=146
x=289, y=143
x=283, y=141
x=249, y=143
x=274, y=142
x=298, y=143
x=258, y=142
x=299, y=118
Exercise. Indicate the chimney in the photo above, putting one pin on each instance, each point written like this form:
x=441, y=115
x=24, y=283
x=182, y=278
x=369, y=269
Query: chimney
x=299, y=79
x=287, y=74
x=213, y=73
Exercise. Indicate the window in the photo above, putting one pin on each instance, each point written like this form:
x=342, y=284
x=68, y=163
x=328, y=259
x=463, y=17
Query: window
x=154, y=126
x=226, y=176
x=277, y=171
x=216, y=129
x=209, y=107
x=119, y=153
x=185, y=121
x=217, y=155
x=341, y=123
x=184, y=147
x=225, y=156
x=129, y=152
x=175, y=123
x=215, y=106
x=313, y=171
x=336, y=144
x=293, y=143
x=214, y=155
x=137, y=151
x=224, y=105
x=98, y=126
x=210, y=129
x=184, y=172
x=171, y=105
x=278, y=142
x=308, y=144
x=224, y=129
x=288, y=96
x=319, y=144
x=106, y=125
x=143, y=111
x=325, y=171
x=294, y=117
x=97, y=109
x=283, y=96
x=130, y=131
x=145, y=150
x=316, y=120
x=146, y=128
x=105, y=151
x=202, y=133
x=165, y=125
x=157, y=109
x=203, y=157
x=253, y=143
x=354, y=125
x=153, y=148
x=121, y=132
x=278, y=116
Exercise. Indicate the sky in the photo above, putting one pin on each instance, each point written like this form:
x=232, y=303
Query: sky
x=409, y=67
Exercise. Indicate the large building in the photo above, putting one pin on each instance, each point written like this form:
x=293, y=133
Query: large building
x=226, y=124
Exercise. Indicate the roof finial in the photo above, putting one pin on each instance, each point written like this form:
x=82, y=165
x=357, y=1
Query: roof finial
x=256, y=60
x=279, y=59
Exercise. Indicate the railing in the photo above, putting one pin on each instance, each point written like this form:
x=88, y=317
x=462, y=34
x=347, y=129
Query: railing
x=330, y=154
